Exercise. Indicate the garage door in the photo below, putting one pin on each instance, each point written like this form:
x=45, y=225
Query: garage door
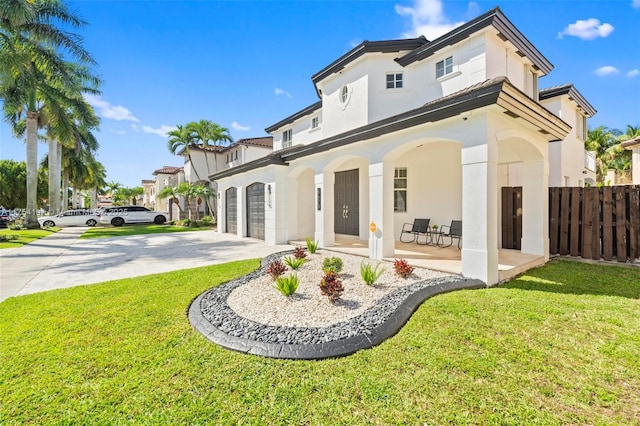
x=231, y=209
x=255, y=211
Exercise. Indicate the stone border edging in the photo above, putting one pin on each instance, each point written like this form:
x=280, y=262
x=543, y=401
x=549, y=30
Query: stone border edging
x=331, y=349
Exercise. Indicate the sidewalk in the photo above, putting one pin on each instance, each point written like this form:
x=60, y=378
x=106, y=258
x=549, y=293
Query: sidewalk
x=62, y=260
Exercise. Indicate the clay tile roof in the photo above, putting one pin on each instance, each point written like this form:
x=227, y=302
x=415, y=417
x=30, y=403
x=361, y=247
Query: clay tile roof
x=630, y=144
x=168, y=170
x=266, y=141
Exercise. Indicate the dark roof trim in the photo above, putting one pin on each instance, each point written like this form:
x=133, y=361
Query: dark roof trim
x=494, y=18
x=572, y=92
x=478, y=96
x=255, y=164
x=385, y=46
x=308, y=110
x=630, y=144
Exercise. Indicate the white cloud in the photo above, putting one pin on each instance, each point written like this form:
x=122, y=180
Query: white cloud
x=353, y=43
x=160, y=131
x=635, y=4
x=633, y=73
x=280, y=92
x=473, y=9
x=606, y=70
x=106, y=110
x=135, y=127
x=120, y=132
x=428, y=19
x=589, y=29
x=237, y=126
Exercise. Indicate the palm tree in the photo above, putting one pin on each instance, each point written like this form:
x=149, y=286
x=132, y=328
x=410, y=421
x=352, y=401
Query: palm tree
x=186, y=189
x=603, y=142
x=210, y=135
x=172, y=193
x=32, y=71
x=182, y=139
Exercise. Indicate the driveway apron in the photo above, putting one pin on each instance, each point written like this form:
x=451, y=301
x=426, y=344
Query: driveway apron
x=62, y=260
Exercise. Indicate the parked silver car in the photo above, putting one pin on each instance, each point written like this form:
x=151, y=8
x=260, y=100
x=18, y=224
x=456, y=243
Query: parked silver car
x=120, y=215
x=75, y=217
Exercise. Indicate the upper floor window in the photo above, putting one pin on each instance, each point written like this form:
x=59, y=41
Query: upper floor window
x=581, y=126
x=287, y=138
x=394, y=80
x=344, y=94
x=444, y=67
x=236, y=155
x=315, y=122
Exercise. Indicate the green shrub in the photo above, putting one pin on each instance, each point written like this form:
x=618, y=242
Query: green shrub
x=294, y=262
x=332, y=264
x=171, y=222
x=185, y=222
x=194, y=224
x=312, y=246
x=287, y=285
x=331, y=286
x=8, y=237
x=15, y=227
x=206, y=221
x=275, y=269
x=370, y=274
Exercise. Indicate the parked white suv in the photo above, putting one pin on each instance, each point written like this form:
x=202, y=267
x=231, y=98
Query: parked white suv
x=76, y=217
x=120, y=215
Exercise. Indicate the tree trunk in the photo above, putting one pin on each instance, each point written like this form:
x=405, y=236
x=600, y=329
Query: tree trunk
x=74, y=198
x=65, y=190
x=58, y=177
x=53, y=161
x=94, y=198
x=31, y=220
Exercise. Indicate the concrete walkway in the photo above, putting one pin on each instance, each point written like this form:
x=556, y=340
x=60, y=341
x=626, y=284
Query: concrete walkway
x=62, y=260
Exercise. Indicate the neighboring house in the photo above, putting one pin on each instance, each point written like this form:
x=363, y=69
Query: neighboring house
x=168, y=176
x=149, y=196
x=410, y=129
x=633, y=145
x=207, y=160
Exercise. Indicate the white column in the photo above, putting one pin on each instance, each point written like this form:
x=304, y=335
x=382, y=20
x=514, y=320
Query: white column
x=479, y=212
x=535, y=208
x=291, y=207
x=241, y=215
x=325, y=234
x=275, y=209
x=221, y=214
x=381, y=242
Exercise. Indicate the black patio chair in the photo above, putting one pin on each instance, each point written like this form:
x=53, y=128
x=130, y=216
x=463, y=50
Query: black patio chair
x=419, y=226
x=453, y=232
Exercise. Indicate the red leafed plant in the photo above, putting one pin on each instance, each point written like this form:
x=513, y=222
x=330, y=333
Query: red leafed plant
x=402, y=268
x=276, y=268
x=299, y=253
x=331, y=286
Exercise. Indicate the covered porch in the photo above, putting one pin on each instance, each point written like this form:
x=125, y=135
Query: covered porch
x=445, y=259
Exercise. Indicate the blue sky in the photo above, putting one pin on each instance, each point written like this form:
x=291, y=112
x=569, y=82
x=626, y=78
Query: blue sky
x=246, y=65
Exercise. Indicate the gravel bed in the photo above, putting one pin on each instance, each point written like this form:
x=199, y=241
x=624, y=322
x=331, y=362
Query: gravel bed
x=250, y=307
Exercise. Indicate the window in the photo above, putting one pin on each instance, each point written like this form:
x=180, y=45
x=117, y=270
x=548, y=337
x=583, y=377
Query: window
x=581, y=126
x=444, y=67
x=534, y=83
x=567, y=181
x=400, y=190
x=394, y=80
x=287, y=139
x=344, y=94
x=236, y=155
x=227, y=158
x=315, y=122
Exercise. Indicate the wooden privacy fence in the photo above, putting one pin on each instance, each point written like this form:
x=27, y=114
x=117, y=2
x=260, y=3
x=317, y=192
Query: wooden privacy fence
x=595, y=223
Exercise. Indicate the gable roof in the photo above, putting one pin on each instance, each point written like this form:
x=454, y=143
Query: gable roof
x=499, y=21
x=264, y=141
x=168, y=170
x=308, y=110
x=498, y=91
x=572, y=92
x=630, y=144
x=384, y=46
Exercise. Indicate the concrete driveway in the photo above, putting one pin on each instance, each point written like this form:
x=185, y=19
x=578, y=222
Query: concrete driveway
x=62, y=260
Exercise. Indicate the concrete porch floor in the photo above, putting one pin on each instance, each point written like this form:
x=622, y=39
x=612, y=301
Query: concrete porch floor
x=445, y=259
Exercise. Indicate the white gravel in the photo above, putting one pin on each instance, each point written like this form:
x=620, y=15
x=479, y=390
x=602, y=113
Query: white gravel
x=259, y=300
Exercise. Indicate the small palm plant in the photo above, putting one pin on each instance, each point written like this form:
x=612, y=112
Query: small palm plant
x=370, y=274
x=294, y=262
x=312, y=246
x=287, y=285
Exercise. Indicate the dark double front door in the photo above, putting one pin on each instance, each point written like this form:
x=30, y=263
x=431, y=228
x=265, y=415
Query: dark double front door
x=347, y=201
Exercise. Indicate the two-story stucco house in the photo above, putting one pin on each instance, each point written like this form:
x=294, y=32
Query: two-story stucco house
x=408, y=129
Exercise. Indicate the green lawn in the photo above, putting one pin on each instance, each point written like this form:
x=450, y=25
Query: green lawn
x=25, y=236
x=120, y=231
x=559, y=345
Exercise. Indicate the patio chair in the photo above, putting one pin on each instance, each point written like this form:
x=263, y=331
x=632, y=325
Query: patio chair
x=419, y=226
x=453, y=232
